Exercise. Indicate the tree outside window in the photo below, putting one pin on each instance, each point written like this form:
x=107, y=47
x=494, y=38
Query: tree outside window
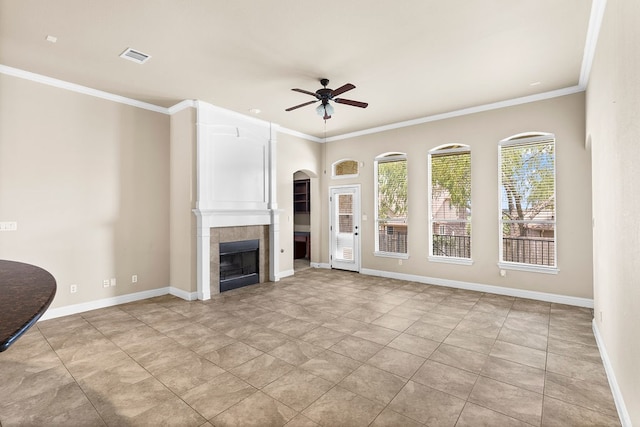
x=450, y=201
x=391, y=208
x=527, y=192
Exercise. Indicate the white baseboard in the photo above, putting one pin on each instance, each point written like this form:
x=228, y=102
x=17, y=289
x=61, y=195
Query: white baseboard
x=187, y=296
x=320, y=265
x=520, y=293
x=68, y=310
x=284, y=274
x=625, y=418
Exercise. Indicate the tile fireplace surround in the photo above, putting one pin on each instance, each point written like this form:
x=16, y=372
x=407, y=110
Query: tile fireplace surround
x=235, y=234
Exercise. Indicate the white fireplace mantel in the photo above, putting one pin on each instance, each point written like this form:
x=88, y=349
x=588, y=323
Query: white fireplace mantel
x=236, y=182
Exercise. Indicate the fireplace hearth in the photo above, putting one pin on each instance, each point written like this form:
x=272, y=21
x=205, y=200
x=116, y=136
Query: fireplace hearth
x=239, y=264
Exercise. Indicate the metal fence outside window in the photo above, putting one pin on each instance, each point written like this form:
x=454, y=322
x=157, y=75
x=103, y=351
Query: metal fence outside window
x=528, y=250
x=452, y=246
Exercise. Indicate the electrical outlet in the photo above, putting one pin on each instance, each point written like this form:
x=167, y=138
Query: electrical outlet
x=8, y=226
x=134, y=278
x=399, y=262
x=113, y=282
x=105, y=283
x=73, y=289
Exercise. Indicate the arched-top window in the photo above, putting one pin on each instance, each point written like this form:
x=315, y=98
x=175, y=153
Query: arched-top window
x=527, y=185
x=345, y=168
x=391, y=204
x=450, y=203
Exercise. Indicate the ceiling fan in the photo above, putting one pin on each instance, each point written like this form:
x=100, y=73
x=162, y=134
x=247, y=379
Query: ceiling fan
x=325, y=95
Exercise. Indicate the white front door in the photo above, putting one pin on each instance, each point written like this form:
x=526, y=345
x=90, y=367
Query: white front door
x=345, y=227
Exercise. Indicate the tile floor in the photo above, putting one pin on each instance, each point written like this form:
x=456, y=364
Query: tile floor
x=301, y=264
x=323, y=347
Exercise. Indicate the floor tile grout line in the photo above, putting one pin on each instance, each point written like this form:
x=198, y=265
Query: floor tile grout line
x=149, y=372
x=73, y=376
x=502, y=413
x=154, y=376
x=351, y=334
x=225, y=371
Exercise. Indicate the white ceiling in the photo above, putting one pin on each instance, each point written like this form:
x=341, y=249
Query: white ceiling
x=408, y=58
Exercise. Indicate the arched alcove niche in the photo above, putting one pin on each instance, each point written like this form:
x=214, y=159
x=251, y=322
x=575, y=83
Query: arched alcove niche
x=303, y=203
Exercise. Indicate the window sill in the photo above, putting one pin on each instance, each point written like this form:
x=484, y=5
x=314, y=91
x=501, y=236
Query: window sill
x=528, y=267
x=451, y=260
x=391, y=255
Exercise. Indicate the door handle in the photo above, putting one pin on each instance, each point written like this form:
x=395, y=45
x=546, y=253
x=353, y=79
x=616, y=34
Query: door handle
x=355, y=234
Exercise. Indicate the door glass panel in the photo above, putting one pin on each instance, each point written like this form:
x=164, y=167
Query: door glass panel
x=344, y=233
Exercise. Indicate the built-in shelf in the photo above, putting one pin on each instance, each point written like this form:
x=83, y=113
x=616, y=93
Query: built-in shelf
x=301, y=196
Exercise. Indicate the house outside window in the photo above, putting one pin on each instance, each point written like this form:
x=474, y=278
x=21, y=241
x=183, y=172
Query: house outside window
x=391, y=205
x=450, y=204
x=345, y=169
x=527, y=184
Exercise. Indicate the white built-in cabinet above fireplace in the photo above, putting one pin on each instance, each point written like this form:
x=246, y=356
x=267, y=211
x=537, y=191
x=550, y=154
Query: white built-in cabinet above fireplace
x=234, y=161
x=235, y=180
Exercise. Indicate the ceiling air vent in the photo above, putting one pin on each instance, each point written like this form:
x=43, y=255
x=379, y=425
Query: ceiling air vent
x=135, y=56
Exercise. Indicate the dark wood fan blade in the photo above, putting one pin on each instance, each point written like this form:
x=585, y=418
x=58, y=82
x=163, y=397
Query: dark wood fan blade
x=301, y=105
x=326, y=117
x=351, y=102
x=305, y=91
x=342, y=89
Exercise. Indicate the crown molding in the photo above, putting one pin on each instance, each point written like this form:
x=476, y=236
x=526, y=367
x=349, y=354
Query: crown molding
x=300, y=135
x=15, y=72
x=50, y=81
x=595, y=22
x=593, y=31
x=183, y=105
x=465, y=111
x=230, y=113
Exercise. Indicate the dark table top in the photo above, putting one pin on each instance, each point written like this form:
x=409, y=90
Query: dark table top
x=25, y=294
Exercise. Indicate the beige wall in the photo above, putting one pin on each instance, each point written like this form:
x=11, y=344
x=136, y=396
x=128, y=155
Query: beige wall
x=613, y=128
x=86, y=179
x=183, y=199
x=562, y=116
x=110, y=167
x=295, y=154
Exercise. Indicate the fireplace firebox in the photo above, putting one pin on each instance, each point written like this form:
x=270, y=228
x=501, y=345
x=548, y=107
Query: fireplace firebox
x=239, y=264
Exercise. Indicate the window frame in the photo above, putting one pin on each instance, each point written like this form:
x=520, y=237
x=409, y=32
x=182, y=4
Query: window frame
x=387, y=158
x=528, y=138
x=445, y=149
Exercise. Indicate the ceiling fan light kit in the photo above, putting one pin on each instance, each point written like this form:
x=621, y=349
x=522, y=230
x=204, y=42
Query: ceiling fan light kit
x=325, y=110
x=324, y=95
